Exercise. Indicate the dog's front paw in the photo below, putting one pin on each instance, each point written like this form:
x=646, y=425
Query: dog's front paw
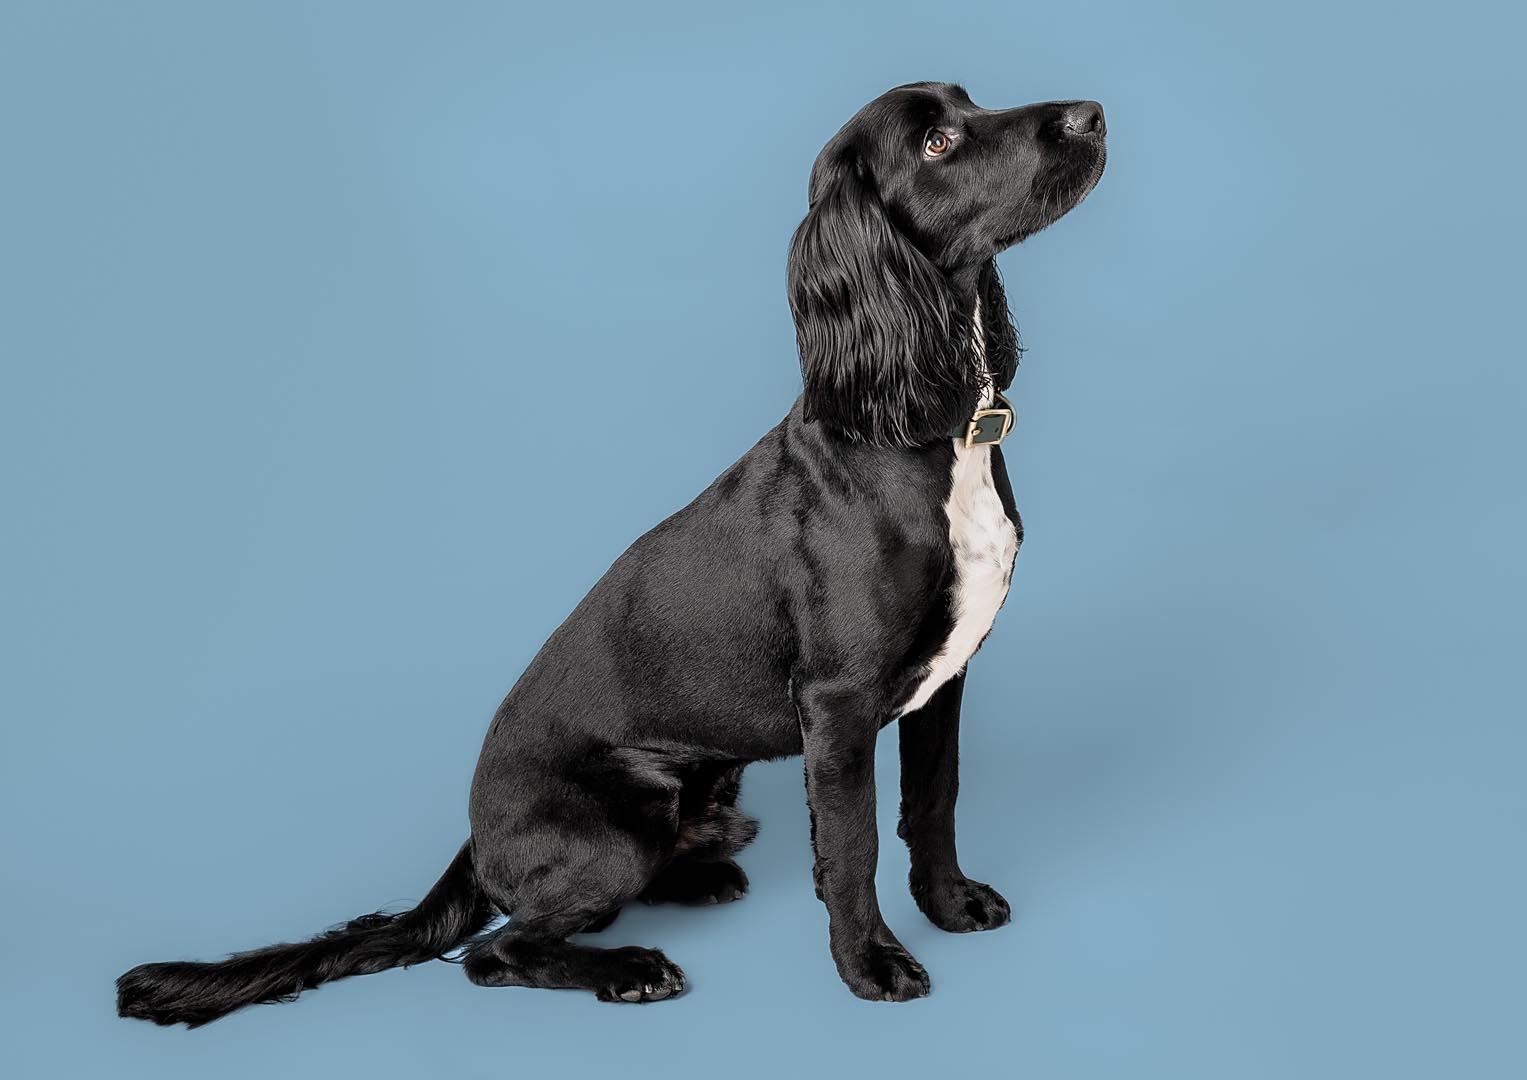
x=960, y=905
x=880, y=971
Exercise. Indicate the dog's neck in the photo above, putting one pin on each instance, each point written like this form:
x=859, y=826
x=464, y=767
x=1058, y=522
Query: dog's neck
x=967, y=283
x=978, y=343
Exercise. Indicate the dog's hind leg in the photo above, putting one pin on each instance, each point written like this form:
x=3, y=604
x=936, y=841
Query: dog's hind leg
x=564, y=867
x=601, y=923
x=533, y=950
x=540, y=956
x=711, y=830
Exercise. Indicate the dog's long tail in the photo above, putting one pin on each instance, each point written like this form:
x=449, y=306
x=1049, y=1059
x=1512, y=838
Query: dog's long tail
x=196, y=994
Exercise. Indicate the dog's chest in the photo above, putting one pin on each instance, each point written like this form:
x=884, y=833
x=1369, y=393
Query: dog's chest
x=984, y=543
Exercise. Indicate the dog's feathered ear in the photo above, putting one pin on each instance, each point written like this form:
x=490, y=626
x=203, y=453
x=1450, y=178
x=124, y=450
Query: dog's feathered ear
x=886, y=352
x=1002, y=349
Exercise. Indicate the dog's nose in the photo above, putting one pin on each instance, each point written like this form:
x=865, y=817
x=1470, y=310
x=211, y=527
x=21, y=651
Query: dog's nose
x=1084, y=118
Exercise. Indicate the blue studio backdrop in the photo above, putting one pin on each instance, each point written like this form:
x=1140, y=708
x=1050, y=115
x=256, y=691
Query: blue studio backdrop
x=345, y=345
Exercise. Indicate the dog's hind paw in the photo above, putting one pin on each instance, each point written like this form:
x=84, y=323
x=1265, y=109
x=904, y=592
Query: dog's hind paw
x=692, y=882
x=640, y=976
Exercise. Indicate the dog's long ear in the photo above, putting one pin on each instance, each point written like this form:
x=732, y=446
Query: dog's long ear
x=886, y=352
x=1002, y=349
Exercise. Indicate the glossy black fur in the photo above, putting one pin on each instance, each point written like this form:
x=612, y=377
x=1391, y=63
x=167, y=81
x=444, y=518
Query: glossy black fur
x=790, y=609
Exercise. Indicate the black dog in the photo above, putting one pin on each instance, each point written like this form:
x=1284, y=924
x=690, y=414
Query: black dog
x=835, y=579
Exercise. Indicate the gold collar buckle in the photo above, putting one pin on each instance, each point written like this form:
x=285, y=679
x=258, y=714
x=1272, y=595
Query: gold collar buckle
x=988, y=427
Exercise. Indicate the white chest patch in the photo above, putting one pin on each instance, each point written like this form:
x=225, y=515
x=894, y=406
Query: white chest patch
x=984, y=543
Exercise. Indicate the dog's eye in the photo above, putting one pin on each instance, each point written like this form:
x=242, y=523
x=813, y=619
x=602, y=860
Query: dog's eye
x=937, y=143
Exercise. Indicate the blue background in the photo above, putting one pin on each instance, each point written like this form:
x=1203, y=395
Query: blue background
x=307, y=307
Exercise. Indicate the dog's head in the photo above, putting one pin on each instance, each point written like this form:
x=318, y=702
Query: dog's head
x=910, y=201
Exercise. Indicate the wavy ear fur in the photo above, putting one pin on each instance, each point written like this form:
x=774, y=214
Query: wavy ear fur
x=886, y=352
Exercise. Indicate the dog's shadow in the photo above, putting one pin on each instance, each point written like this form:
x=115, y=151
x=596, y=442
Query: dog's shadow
x=1059, y=765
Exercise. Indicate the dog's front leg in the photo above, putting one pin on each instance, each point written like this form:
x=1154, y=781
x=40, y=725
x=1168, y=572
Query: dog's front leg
x=930, y=781
x=839, y=743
